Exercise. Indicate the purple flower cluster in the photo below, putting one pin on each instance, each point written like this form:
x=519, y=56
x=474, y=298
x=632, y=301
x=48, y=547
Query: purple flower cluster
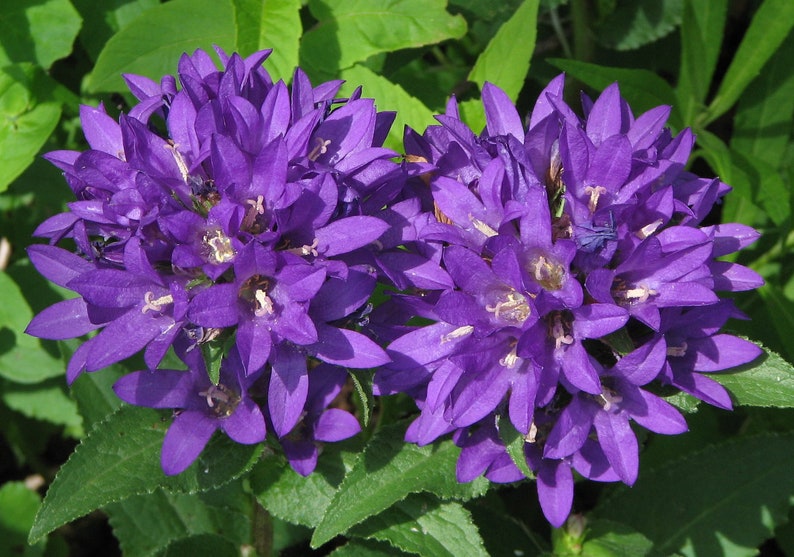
x=582, y=282
x=562, y=269
x=235, y=214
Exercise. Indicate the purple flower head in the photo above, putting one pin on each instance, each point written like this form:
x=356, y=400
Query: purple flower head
x=580, y=280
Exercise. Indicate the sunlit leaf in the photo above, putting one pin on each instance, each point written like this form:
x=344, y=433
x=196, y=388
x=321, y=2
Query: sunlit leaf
x=272, y=24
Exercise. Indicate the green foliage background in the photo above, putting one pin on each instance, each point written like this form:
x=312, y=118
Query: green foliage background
x=724, y=488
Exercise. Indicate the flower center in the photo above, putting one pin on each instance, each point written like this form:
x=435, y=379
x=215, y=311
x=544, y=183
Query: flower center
x=155, y=304
x=218, y=247
x=255, y=291
x=639, y=294
x=320, y=148
x=677, y=351
x=595, y=193
x=511, y=358
x=306, y=249
x=560, y=331
x=608, y=399
x=220, y=400
x=511, y=307
x=547, y=273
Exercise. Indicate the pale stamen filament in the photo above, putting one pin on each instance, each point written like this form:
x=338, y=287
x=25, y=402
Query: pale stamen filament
x=558, y=332
x=510, y=359
x=180, y=161
x=608, y=398
x=514, y=308
x=594, y=193
x=306, y=249
x=677, y=351
x=458, y=333
x=648, y=229
x=482, y=227
x=220, y=246
x=639, y=294
x=532, y=434
x=320, y=148
x=155, y=304
x=214, y=393
x=264, y=305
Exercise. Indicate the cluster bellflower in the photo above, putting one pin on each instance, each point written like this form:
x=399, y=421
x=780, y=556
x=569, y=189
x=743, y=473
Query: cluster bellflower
x=582, y=280
x=226, y=210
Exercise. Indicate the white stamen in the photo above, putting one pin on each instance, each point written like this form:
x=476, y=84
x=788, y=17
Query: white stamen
x=547, y=273
x=155, y=304
x=609, y=398
x=510, y=359
x=482, y=227
x=594, y=193
x=306, y=249
x=180, y=162
x=457, y=333
x=639, y=294
x=320, y=148
x=532, y=434
x=512, y=307
x=677, y=351
x=214, y=393
x=264, y=305
x=257, y=204
x=558, y=332
x=648, y=229
x=221, y=249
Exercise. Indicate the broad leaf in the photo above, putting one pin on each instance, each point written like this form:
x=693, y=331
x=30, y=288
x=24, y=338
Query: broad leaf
x=422, y=524
x=386, y=472
x=28, y=115
x=506, y=535
x=37, y=31
x=18, y=505
x=635, y=24
x=152, y=44
x=120, y=458
x=701, y=38
x=23, y=359
x=272, y=24
x=505, y=61
x=783, y=321
x=101, y=20
x=766, y=382
x=47, y=401
x=351, y=31
x=514, y=441
x=388, y=96
x=762, y=125
x=145, y=524
x=612, y=539
x=724, y=500
x=768, y=29
x=203, y=545
x=366, y=548
x=94, y=393
x=643, y=89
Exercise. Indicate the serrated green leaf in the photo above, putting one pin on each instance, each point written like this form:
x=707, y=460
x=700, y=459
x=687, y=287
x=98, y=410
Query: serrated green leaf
x=146, y=524
x=762, y=125
x=613, y=539
x=643, y=89
x=101, y=20
x=351, y=31
x=424, y=525
x=120, y=458
x=514, y=441
x=362, y=387
x=152, y=44
x=366, y=548
x=768, y=29
x=28, y=115
x=388, y=96
x=272, y=24
x=23, y=359
x=769, y=381
x=505, y=61
x=204, y=545
x=635, y=24
x=295, y=498
x=47, y=401
x=701, y=37
x=724, y=500
x=386, y=472
x=36, y=30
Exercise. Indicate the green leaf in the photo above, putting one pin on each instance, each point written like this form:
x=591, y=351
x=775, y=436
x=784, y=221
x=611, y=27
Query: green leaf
x=23, y=359
x=724, y=500
x=388, y=96
x=101, y=20
x=769, y=381
x=362, y=387
x=472, y=113
x=612, y=539
x=47, y=401
x=18, y=506
x=505, y=61
x=643, y=89
x=204, y=545
x=152, y=44
x=701, y=37
x=120, y=458
x=366, y=548
x=386, y=472
x=37, y=31
x=94, y=394
x=28, y=115
x=422, y=524
x=272, y=24
x=351, y=31
x=504, y=534
x=784, y=315
x=762, y=125
x=295, y=498
x=146, y=524
x=635, y=24
x=768, y=29
x=514, y=441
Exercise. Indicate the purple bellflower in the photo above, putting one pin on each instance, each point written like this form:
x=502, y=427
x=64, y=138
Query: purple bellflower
x=580, y=277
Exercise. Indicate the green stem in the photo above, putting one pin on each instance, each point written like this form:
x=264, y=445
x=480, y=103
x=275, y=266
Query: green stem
x=262, y=530
x=582, y=37
x=782, y=247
